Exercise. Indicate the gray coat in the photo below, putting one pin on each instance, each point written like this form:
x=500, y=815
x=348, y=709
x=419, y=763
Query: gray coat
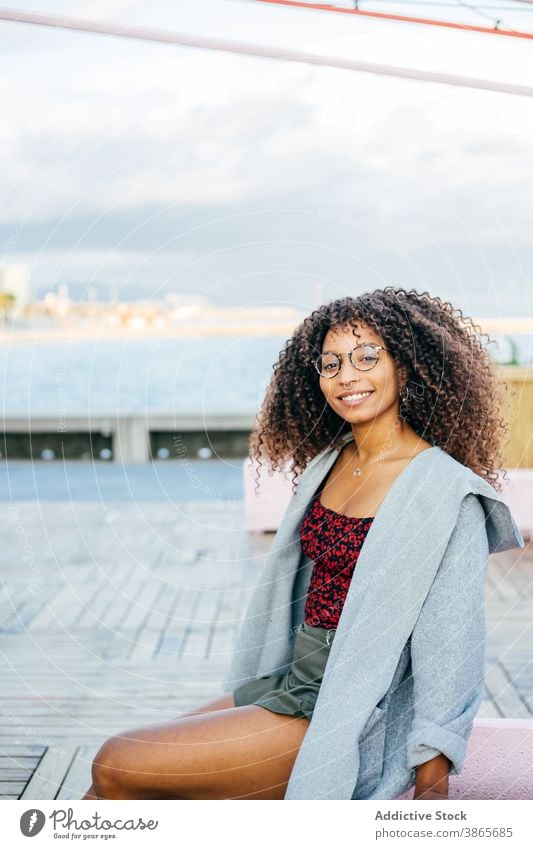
x=404, y=677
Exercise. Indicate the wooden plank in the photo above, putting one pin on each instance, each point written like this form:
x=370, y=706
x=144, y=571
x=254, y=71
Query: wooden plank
x=142, y=593
x=120, y=597
x=503, y=692
x=502, y=574
x=17, y=752
x=11, y=790
x=149, y=682
x=78, y=778
x=48, y=776
x=493, y=593
x=12, y=595
x=221, y=647
x=51, y=613
x=85, y=593
x=222, y=635
x=125, y=616
x=14, y=774
x=20, y=606
x=148, y=637
x=183, y=602
x=173, y=635
x=488, y=709
x=141, y=617
x=10, y=761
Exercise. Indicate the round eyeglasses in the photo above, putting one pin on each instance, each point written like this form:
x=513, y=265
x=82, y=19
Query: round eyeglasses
x=363, y=358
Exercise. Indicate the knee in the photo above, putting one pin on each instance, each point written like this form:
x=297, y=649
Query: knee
x=112, y=773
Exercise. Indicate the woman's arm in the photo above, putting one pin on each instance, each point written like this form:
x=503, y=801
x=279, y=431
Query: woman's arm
x=432, y=779
x=448, y=651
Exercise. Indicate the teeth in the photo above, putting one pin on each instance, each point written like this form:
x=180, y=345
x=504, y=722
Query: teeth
x=356, y=395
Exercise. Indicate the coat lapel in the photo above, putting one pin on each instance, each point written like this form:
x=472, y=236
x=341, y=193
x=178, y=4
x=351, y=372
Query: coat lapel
x=265, y=638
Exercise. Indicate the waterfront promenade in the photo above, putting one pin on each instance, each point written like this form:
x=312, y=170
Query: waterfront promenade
x=120, y=613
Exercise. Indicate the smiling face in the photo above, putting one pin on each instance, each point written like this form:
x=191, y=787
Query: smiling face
x=372, y=392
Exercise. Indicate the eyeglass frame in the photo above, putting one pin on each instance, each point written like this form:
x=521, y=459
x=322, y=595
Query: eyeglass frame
x=349, y=355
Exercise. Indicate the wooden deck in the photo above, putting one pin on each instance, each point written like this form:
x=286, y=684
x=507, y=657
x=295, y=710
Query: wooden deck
x=115, y=616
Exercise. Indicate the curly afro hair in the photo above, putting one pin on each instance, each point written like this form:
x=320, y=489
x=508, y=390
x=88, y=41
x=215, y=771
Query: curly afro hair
x=456, y=399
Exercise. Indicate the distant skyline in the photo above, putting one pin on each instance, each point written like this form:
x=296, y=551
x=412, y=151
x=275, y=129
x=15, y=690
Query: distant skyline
x=138, y=169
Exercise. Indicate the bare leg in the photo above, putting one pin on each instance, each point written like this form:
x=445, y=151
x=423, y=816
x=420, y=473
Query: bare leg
x=228, y=753
x=91, y=793
x=221, y=703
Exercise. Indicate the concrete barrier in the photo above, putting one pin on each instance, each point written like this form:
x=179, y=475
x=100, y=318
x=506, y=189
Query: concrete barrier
x=499, y=762
x=130, y=434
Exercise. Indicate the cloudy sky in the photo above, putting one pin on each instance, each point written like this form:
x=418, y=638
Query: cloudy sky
x=137, y=169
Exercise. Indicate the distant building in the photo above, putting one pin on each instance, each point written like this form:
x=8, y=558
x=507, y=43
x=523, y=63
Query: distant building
x=15, y=279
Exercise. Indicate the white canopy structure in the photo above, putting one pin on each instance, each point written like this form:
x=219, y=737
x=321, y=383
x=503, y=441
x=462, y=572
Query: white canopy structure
x=487, y=46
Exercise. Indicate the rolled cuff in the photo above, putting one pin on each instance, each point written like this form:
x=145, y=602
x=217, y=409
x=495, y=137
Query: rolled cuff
x=434, y=741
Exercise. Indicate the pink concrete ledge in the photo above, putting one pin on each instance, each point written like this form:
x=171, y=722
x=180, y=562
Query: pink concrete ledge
x=499, y=762
x=518, y=495
x=264, y=511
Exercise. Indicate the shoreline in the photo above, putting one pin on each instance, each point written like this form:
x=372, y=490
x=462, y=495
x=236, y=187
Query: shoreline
x=97, y=333
x=73, y=333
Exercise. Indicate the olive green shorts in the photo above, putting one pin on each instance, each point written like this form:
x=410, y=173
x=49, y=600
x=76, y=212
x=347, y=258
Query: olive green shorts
x=296, y=691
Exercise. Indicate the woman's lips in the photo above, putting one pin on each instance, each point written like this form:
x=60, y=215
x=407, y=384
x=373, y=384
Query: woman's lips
x=354, y=402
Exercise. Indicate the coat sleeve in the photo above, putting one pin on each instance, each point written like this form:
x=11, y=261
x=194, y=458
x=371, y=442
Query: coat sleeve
x=448, y=645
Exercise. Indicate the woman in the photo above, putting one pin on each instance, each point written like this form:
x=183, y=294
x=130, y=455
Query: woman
x=359, y=665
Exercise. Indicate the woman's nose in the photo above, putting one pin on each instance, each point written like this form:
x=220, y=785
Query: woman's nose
x=348, y=372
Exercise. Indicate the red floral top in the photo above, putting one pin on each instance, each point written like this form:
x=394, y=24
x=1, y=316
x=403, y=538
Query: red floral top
x=333, y=541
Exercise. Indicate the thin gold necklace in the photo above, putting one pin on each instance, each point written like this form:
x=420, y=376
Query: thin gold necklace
x=358, y=470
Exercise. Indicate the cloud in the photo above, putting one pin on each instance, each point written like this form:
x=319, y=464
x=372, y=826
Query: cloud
x=148, y=165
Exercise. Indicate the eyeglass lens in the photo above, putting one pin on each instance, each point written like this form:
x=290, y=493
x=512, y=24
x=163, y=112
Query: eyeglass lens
x=364, y=358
